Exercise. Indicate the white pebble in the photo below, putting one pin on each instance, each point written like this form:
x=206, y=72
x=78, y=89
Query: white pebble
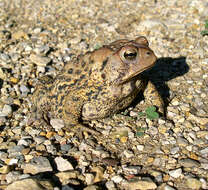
x=175, y=173
x=7, y=110
x=117, y=179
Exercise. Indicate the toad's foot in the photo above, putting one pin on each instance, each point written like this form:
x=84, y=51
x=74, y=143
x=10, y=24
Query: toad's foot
x=79, y=128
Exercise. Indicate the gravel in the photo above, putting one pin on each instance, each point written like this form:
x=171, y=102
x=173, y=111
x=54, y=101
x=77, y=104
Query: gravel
x=38, y=37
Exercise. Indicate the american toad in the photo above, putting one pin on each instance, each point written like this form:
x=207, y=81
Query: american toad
x=98, y=84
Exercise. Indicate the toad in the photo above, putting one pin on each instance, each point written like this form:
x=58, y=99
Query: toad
x=98, y=84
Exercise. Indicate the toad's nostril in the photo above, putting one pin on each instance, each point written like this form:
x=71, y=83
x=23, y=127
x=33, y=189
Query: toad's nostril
x=148, y=53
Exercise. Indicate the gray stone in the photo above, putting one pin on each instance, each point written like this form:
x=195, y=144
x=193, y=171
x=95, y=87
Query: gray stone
x=25, y=141
x=66, y=147
x=204, y=151
x=37, y=165
x=132, y=169
x=29, y=184
x=189, y=163
x=15, y=151
x=4, y=57
x=24, y=90
x=140, y=184
x=42, y=50
x=182, y=141
x=51, y=149
x=40, y=60
x=174, y=150
x=39, y=139
x=12, y=176
x=204, y=166
x=152, y=130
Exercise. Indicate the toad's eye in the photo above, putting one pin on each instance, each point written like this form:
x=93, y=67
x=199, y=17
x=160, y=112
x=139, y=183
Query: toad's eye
x=129, y=54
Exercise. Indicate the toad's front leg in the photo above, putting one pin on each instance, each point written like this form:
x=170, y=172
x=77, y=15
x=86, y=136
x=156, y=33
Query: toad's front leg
x=72, y=116
x=152, y=97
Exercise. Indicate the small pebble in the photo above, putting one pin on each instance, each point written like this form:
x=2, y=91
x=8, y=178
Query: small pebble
x=175, y=173
x=6, y=111
x=128, y=153
x=89, y=178
x=40, y=60
x=57, y=124
x=117, y=179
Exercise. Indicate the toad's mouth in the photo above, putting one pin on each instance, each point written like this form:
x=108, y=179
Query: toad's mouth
x=136, y=75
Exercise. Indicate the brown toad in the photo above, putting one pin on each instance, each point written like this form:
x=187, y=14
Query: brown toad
x=98, y=84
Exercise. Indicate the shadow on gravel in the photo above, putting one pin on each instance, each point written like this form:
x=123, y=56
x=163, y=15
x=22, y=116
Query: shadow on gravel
x=165, y=69
x=1, y=83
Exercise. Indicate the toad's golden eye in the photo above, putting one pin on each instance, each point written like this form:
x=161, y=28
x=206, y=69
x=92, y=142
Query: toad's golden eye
x=130, y=54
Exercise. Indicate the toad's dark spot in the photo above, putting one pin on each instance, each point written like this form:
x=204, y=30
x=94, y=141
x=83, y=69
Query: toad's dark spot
x=103, y=93
x=62, y=99
x=92, y=115
x=103, y=75
x=70, y=71
x=86, y=69
x=89, y=93
x=90, y=72
x=53, y=97
x=99, y=88
x=95, y=97
x=104, y=64
x=83, y=64
x=91, y=62
x=60, y=110
x=62, y=86
x=82, y=76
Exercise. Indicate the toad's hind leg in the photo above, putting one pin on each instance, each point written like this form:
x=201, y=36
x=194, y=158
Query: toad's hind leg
x=41, y=105
x=152, y=97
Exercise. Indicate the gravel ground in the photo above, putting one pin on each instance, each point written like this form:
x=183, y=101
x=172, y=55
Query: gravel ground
x=38, y=37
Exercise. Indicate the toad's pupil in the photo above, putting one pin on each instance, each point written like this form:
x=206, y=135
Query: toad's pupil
x=130, y=55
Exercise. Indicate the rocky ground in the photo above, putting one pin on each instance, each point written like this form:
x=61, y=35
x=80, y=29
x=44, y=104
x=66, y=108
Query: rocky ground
x=39, y=37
